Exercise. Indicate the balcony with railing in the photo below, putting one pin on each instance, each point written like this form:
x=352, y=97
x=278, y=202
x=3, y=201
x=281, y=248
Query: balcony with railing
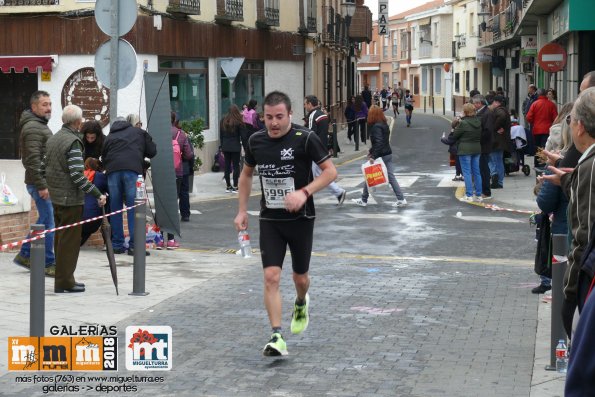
x=369, y=58
x=27, y=3
x=501, y=26
x=267, y=13
x=229, y=11
x=187, y=7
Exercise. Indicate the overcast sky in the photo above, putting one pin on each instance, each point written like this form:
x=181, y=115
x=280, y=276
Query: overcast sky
x=394, y=6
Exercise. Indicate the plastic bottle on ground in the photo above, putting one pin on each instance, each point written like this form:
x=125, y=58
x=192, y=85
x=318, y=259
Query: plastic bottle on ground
x=561, y=357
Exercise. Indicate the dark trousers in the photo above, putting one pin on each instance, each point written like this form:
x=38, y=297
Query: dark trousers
x=351, y=129
x=184, y=196
x=87, y=229
x=66, y=244
x=362, y=130
x=458, y=169
x=568, y=308
x=484, y=170
x=232, y=159
x=178, y=189
x=540, y=141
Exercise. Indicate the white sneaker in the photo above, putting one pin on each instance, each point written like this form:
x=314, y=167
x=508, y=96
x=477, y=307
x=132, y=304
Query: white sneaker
x=359, y=202
x=400, y=203
x=466, y=199
x=477, y=199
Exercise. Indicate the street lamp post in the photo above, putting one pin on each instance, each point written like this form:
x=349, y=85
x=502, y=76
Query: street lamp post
x=348, y=8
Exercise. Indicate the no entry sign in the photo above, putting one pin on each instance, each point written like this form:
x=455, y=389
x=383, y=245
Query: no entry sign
x=552, y=57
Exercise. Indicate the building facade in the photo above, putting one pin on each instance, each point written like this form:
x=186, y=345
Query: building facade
x=282, y=45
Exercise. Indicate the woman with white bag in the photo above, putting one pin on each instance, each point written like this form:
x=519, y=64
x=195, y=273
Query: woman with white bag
x=380, y=149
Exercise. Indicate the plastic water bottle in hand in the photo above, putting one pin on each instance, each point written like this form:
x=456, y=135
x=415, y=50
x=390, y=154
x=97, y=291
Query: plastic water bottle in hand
x=561, y=357
x=443, y=134
x=245, y=247
x=140, y=188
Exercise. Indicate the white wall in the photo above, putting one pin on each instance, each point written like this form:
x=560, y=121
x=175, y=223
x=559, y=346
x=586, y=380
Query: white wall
x=287, y=77
x=129, y=98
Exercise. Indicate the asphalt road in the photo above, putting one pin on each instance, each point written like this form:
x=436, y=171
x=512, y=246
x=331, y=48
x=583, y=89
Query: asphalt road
x=413, y=301
x=405, y=302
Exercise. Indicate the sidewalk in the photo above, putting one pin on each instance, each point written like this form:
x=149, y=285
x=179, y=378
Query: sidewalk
x=172, y=272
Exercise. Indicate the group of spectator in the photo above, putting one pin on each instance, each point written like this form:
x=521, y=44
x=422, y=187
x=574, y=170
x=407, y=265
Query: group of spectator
x=69, y=174
x=563, y=143
x=567, y=193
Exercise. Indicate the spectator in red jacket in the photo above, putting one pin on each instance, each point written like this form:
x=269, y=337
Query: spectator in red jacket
x=541, y=115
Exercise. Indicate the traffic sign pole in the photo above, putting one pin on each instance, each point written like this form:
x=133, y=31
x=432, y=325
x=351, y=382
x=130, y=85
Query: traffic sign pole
x=113, y=112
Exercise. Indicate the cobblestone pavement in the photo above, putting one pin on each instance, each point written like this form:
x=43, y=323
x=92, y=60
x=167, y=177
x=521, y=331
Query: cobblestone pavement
x=377, y=329
x=380, y=328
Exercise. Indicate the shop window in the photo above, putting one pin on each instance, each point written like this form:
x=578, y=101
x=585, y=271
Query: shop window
x=188, y=88
x=248, y=84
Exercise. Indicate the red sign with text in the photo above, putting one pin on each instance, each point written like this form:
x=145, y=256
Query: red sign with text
x=552, y=57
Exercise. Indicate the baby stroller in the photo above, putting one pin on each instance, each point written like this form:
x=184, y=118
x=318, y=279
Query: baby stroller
x=514, y=159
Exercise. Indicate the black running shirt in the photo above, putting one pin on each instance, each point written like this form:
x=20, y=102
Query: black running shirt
x=284, y=165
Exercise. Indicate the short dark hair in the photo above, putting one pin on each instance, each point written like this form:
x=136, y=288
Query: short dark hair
x=252, y=104
x=500, y=98
x=36, y=95
x=474, y=92
x=277, y=97
x=312, y=100
x=541, y=92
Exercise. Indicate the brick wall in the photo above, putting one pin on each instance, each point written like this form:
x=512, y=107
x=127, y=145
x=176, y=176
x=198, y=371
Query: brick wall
x=14, y=227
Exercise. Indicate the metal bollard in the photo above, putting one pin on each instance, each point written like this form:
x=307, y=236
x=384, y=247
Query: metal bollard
x=138, y=271
x=335, y=139
x=443, y=106
x=425, y=104
x=433, y=108
x=557, y=332
x=37, y=284
x=454, y=107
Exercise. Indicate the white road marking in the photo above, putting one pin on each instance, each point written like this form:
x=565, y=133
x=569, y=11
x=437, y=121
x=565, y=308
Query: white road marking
x=502, y=219
x=448, y=182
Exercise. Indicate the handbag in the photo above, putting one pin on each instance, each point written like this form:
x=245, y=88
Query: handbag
x=375, y=174
x=7, y=197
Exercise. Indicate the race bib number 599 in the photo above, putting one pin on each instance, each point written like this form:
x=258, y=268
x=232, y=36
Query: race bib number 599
x=275, y=190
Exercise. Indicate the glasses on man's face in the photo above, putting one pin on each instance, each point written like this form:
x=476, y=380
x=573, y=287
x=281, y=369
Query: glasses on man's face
x=568, y=119
x=139, y=124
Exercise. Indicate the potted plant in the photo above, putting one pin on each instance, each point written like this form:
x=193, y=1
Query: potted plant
x=194, y=130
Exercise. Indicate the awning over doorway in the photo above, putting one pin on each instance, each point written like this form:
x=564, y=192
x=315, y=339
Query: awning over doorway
x=18, y=64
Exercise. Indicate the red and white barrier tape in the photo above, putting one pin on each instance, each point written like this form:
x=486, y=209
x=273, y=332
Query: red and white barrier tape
x=41, y=234
x=496, y=208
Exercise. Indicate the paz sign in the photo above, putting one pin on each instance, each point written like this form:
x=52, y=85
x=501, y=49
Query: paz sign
x=383, y=18
x=552, y=57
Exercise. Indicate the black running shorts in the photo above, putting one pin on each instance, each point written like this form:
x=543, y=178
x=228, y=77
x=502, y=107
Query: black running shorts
x=275, y=236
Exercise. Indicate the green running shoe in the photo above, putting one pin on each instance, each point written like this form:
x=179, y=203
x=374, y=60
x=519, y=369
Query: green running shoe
x=300, y=318
x=276, y=346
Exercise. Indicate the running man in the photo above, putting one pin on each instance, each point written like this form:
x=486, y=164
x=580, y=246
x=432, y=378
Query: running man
x=318, y=122
x=284, y=153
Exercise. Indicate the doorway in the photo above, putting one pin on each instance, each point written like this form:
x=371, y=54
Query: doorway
x=16, y=91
